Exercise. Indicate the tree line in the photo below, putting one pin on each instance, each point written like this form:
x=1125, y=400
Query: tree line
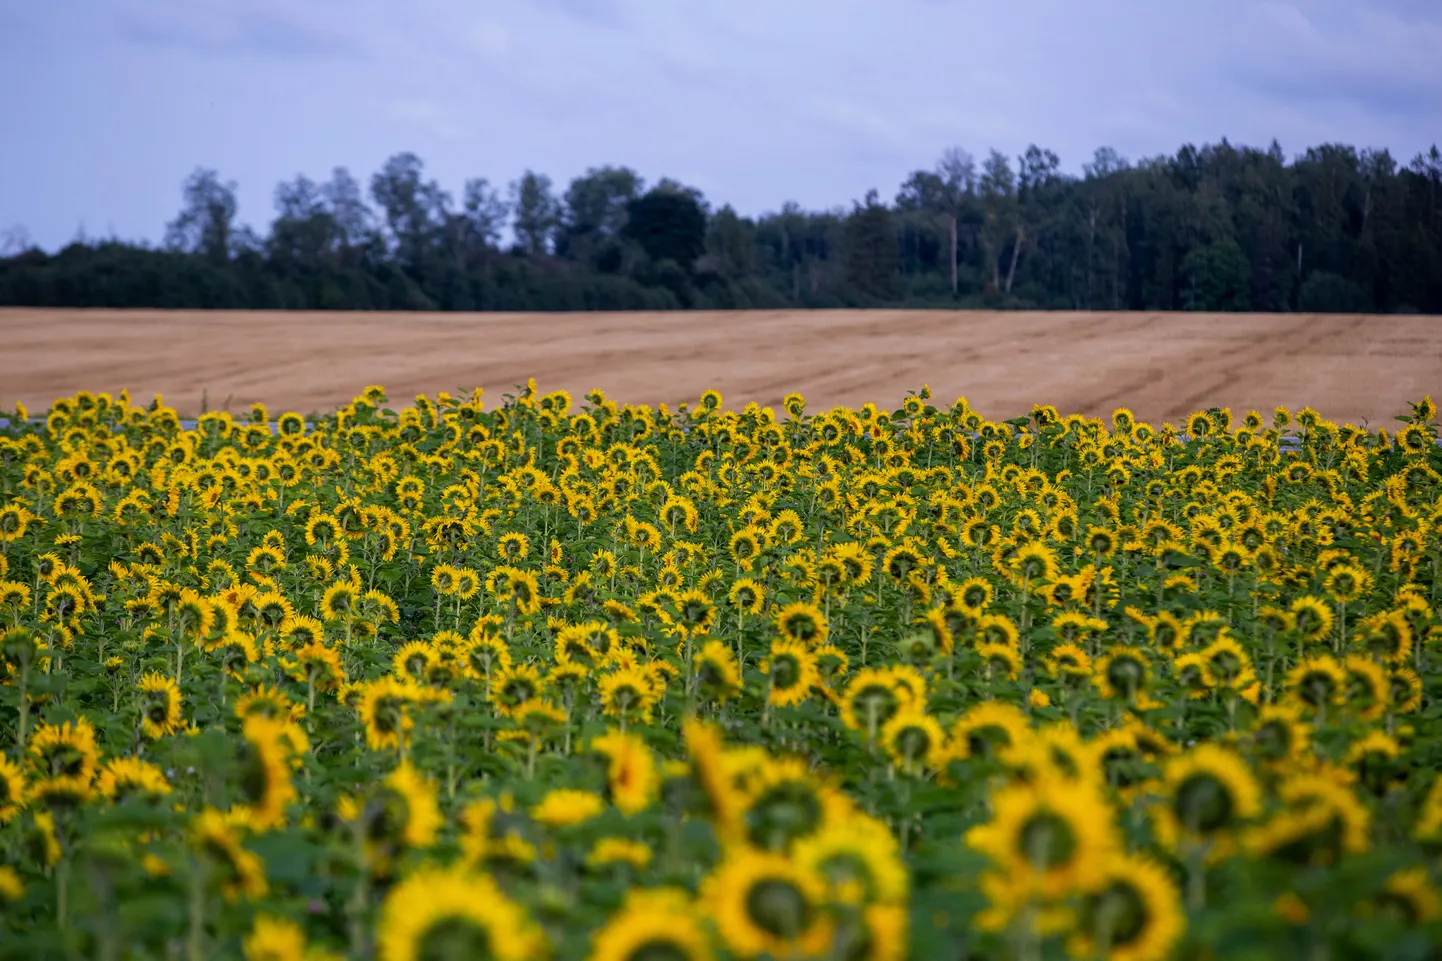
x=1220, y=227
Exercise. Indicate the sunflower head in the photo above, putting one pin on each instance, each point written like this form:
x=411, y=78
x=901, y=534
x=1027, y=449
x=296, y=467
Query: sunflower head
x=1211, y=791
x=454, y=913
x=1135, y=911
x=764, y=903
x=654, y=923
x=1049, y=837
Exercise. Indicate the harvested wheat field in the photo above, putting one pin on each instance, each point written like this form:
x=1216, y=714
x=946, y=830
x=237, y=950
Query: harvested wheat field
x=1162, y=365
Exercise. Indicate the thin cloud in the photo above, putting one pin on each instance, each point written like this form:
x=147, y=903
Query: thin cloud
x=596, y=13
x=814, y=100
x=428, y=116
x=231, y=28
x=1375, y=60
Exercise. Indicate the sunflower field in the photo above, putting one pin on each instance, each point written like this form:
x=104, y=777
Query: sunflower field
x=606, y=682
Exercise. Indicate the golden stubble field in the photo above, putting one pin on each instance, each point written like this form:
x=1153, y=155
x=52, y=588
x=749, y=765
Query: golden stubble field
x=1162, y=365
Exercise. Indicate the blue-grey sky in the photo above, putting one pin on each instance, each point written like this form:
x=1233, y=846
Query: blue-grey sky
x=109, y=104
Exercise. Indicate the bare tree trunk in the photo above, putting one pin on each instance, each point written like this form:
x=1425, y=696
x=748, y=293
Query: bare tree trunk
x=953, y=255
x=1015, y=255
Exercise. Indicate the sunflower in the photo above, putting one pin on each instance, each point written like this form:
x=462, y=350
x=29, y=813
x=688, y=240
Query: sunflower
x=1069, y=664
x=513, y=546
x=317, y=665
x=1075, y=627
x=1208, y=792
x=855, y=561
x=627, y=693
x=1317, y=682
x=802, y=623
x=1122, y=674
x=692, y=615
x=746, y=545
x=631, y=777
x=914, y=740
x=1050, y=838
x=272, y=609
x=384, y=708
x=1227, y=664
x=242, y=872
x=14, y=521
x=64, y=758
x=1312, y=618
x=653, y=923
x=1410, y=896
x=1374, y=757
x=765, y=904
x=280, y=939
x=930, y=635
x=12, y=888
x=400, y=813
x=718, y=673
x=265, y=701
x=1280, y=734
x=1347, y=583
x=1368, y=688
x=454, y=913
x=1054, y=752
x=12, y=790
x=1120, y=760
x=339, y=601
x=122, y=779
x=874, y=695
x=973, y=595
x=515, y=587
x=411, y=661
x=725, y=804
x=1034, y=564
x=1133, y=914
x=266, y=753
x=1100, y=541
x=1386, y=635
x=785, y=801
x=1322, y=820
x=792, y=673
x=321, y=528
x=263, y=560
x=565, y=807
x=858, y=858
x=901, y=560
x=610, y=851
x=159, y=706
x=488, y=835
x=1405, y=690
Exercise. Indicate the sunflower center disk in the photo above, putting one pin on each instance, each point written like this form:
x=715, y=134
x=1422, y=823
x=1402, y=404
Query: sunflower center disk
x=1047, y=842
x=1204, y=804
x=1118, y=915
x=454, y=939
x=778, y=908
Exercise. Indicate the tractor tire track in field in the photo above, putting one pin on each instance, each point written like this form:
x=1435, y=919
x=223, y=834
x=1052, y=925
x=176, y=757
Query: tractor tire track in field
x=1161, y=365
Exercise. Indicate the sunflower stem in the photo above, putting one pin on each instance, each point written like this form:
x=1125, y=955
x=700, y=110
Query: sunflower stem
x=195, y=930
x=62, y=891
x=360, y=895
x=20, y=731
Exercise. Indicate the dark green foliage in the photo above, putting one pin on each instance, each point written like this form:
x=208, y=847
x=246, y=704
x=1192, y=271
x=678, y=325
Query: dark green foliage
x=1329, y=293
x=1221, y=277
x=1217, y=227
x=872, y=259
x=669, y=225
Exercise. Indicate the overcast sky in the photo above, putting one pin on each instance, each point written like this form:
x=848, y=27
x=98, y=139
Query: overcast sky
x=109, y=104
